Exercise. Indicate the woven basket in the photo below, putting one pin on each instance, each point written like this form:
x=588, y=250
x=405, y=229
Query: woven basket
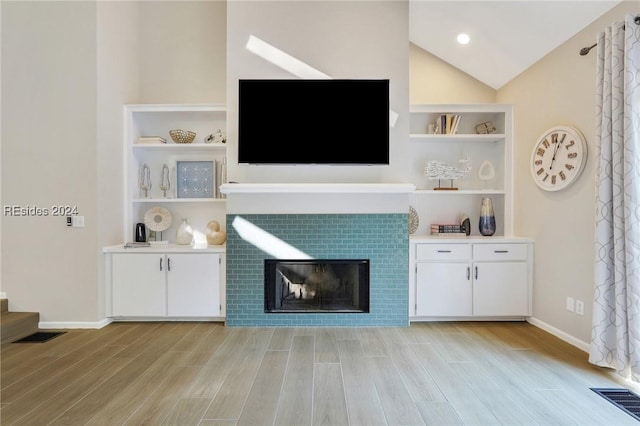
x=182, y=136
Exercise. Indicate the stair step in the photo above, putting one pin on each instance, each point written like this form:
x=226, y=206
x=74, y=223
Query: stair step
x=16, y=325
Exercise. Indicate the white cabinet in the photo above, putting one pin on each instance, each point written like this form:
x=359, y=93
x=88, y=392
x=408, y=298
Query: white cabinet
x=443, y=289
x=470, y=279
x=153, y=284
x=193, y=287
x=501, y=281
x=139, y=285
x=446, y=206
x=181, y=200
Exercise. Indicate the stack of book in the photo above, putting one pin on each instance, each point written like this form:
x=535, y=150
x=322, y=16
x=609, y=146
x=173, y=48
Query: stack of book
x=448, y=230
x=448, y=123
x=136, y=245
x=151, y=139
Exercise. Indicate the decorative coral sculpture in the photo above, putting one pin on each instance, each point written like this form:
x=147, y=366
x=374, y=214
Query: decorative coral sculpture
x=440, y=170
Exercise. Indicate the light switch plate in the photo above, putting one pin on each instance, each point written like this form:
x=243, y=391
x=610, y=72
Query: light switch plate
x=77, y=221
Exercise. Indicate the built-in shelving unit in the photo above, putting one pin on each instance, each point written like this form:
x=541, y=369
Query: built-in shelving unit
x=474, y=276
x=157, y=120
x=168, y=280
x=447, y=206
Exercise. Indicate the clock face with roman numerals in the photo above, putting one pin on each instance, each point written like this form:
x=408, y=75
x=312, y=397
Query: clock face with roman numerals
x=558, y=158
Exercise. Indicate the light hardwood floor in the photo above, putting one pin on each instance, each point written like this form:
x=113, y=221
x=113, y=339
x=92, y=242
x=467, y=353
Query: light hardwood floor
x=184, y=373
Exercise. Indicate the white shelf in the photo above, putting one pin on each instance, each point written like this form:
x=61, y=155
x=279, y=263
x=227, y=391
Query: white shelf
x=178, y=146
x=165, y=248
x=460, y=192
x=423, y=137
x=178, y=200
x=471, y=239
x=170, y=108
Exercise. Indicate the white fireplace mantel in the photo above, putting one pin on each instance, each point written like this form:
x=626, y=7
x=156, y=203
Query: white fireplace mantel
x=310, y=198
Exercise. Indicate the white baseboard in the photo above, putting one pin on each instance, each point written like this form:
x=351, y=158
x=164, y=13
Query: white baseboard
x=69, y=325
x=582, y=345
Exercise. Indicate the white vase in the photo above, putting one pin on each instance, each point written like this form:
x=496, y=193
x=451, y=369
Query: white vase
x=184, y=234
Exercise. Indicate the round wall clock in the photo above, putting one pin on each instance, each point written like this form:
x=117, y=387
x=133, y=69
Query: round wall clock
x=558, y=158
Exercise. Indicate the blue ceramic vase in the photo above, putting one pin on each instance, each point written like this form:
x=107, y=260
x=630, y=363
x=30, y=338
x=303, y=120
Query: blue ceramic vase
x=487, y=224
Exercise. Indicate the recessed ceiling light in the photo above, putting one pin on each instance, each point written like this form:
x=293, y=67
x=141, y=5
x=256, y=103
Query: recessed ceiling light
x=463, y=38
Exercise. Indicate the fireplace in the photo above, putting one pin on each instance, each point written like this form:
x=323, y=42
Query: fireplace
x=316, y=286
x=311, y=222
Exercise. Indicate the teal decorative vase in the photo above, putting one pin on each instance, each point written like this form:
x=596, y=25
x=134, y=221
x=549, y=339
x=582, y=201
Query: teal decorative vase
x=487, y=224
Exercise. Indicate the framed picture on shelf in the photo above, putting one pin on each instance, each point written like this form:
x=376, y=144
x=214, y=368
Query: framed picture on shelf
x=195, y=178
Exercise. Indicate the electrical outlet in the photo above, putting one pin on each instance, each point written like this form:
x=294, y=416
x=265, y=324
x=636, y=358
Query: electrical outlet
x=579, y=307
x=570, y=304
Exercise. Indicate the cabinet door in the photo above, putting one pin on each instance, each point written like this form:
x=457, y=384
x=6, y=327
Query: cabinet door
x=193, y=282
x=443, y=289
x=500, y=288
x=139, y=285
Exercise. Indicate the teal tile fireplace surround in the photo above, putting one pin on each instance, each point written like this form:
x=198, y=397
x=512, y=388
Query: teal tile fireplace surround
x=382, y=238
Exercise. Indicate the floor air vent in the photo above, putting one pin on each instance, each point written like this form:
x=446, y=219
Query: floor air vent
x=622, y=398
x=39, y=337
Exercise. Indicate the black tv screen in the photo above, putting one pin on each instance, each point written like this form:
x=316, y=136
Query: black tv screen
x=342, y=122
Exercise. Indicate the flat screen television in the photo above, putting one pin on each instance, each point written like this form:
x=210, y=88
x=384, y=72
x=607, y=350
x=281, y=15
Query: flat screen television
x=339, y=122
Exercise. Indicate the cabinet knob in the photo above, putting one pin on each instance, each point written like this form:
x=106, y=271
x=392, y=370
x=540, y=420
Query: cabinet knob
x=501, y=251
x=444, y=251
x=468, y=273
x=476, y=272
x=161, y=264
x=169, y=264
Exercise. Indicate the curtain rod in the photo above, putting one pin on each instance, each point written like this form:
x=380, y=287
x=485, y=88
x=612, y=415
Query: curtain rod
x=585, y=50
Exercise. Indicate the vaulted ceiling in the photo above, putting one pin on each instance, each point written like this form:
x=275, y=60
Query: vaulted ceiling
x=507, y=37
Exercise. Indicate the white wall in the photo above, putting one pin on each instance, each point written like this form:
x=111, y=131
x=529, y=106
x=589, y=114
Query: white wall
x=345, y=39
x=433, y=81
x=559, y=89
x=49, y=155
x=182, y=51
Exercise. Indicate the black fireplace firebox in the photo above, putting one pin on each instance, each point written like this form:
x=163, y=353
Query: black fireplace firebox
x=316, y=286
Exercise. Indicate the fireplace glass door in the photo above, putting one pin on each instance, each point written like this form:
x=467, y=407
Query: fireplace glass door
x=316, y=285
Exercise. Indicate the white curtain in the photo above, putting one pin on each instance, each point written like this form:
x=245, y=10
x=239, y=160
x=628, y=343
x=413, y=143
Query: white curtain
x=615, y=339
